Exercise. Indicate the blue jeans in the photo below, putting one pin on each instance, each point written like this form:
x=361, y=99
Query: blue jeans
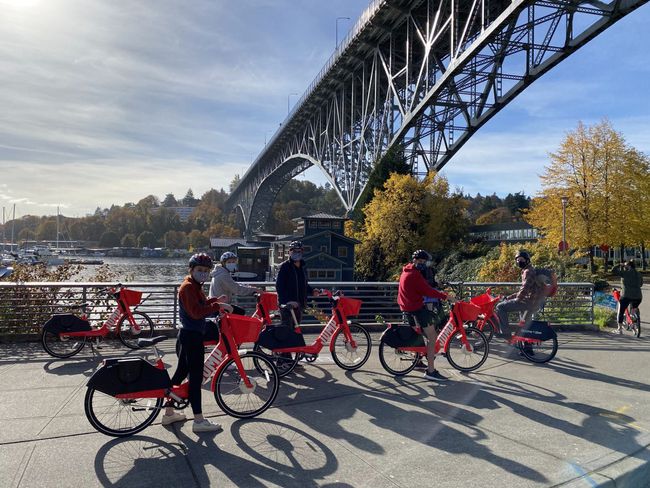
x=506, y=307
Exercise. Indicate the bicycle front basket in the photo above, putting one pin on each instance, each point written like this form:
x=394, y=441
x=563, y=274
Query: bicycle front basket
x=350, y=306
x=244, y=329
x=130, y=297
x=269, y=301
x=467, y=311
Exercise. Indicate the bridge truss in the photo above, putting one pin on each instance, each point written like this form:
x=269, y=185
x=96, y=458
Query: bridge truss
x=425, y=74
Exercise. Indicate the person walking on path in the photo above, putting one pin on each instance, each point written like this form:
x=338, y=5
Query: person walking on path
x=631, y=283
x=413, y=287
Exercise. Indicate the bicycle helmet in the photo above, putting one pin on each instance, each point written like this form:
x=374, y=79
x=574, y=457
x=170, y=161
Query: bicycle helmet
x=295, y=245
x=227, y=255
x=421, y=254
x=522, y=254
x=201, y=259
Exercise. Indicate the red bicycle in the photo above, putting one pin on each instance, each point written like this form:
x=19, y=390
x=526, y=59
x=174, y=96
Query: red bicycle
x=632, y=325
x=349, y=342
x=487, y=322
x=465, y=346
x=125, y=395
x=64, y=335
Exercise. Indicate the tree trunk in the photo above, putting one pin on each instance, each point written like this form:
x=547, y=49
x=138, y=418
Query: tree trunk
x=643, y=261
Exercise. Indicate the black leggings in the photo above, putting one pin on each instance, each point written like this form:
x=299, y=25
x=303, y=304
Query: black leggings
x=623, y=304
x=190, y=361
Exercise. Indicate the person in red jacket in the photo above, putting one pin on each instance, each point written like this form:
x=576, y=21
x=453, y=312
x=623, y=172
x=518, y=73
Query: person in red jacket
x=413, y=287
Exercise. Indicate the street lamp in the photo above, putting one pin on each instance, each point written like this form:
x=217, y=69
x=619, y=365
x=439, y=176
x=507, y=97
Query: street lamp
x=564, y=200
x=337, y=29
x=289, y=98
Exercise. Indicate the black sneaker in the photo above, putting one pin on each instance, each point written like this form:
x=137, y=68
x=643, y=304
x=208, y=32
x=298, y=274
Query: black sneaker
x=434, y=376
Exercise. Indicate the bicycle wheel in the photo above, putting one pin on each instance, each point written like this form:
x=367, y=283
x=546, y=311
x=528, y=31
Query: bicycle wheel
x=397, y=362
x=120, y=418
x=61, y=347
x=284, y=362
x=238, y=400
x=539, y=351
x=128, y=335
x=468, y=360
x=346, y=356
x=489, y=327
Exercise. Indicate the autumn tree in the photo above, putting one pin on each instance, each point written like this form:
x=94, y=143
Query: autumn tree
x=603, y=178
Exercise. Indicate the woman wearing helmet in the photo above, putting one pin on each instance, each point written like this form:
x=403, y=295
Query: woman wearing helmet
x=193, y=308
x=223, y=285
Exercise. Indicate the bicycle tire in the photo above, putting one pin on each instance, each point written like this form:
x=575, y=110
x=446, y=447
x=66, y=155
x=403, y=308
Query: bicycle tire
x=102, y=409
x=229, y=386
x=535, y=351
x=126, y=335
x=633, y=325
x=489, y=328
x=61, y=348
x=463, y=360
x=341, y=352
x=284, y=363
x=391, y=357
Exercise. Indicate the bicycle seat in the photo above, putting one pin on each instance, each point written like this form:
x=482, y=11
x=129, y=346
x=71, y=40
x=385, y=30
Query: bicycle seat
x=151, y=341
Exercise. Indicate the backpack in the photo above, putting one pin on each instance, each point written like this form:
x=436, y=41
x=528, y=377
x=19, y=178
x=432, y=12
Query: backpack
x=547, y=278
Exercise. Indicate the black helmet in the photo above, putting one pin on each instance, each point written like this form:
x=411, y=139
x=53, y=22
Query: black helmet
x=421, y=254
x=201, y=259
x=522, y=254
x=295, y=245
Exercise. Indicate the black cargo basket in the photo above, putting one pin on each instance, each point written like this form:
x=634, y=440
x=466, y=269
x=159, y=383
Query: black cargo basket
x=128, y=375
x=402, y=336
x=279, y=337
x=66, y=322
x=539, y=330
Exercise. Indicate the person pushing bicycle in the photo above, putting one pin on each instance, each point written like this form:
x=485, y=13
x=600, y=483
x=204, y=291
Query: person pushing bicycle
x=223, y=285
x=193, y=308
x=292, y=286
x=413, y=287
x=631, y=295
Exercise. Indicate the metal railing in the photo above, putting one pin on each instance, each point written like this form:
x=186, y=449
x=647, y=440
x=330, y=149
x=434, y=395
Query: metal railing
x=24, y=307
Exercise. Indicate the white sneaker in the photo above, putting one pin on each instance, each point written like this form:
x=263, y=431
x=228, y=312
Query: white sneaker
x=175, y=417
x=205, y=426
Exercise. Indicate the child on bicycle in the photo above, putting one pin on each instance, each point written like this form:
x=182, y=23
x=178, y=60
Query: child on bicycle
x=193, y=308
x=413, y=287
x=631, y=283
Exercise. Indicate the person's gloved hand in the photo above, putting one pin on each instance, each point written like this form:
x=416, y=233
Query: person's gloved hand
x=293, y=304
x=226, y=307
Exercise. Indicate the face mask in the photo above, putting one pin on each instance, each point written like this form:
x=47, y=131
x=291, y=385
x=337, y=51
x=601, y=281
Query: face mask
x=421, y=267
x=296, y=256
x=232, y=267
x=201, y=276
x=522, y=264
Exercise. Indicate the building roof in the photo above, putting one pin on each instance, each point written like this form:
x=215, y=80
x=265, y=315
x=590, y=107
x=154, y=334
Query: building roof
x=326, y=257
x=325, y=216
x=226, y=242
x=311, y=236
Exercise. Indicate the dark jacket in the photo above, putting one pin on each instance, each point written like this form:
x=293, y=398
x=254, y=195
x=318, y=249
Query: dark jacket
x=530, y=289
x=193, y=306
x=291, y=283
x=631, y=282
x=413, y=288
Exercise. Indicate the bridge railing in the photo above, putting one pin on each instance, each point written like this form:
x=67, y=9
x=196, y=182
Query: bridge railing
x=24, y=307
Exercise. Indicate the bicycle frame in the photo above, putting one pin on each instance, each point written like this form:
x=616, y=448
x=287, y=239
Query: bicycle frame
x=628, y=318
x=113, y=320
x=226, y=349
x=338, y=321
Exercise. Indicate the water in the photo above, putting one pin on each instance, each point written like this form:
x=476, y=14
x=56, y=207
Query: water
x=148, y=270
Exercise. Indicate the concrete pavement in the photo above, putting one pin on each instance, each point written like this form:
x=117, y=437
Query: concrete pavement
x=582, y=420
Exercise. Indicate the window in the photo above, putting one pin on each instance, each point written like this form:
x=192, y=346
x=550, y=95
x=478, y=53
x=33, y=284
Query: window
x=343, y=252
x=313, y=274
x=313, y=224
x=323, y=249
x=336, y=225
x=306, y=249
x=324, y=224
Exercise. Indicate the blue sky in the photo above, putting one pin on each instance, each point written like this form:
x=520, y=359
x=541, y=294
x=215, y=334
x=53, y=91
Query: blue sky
x=108, y=101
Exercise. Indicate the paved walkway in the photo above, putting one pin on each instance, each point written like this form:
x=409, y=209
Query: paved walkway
x=582, y=420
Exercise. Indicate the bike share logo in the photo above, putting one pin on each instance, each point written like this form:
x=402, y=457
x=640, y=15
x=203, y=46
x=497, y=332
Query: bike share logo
x=446, y=332
x=212, y=363
x=329, y=331
x=112, y=320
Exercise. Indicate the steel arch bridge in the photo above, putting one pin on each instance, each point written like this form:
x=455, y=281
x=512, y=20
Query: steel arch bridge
x=426, y=74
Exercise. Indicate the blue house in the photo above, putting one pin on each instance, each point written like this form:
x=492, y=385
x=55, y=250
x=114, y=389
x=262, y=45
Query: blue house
x=329, y=253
